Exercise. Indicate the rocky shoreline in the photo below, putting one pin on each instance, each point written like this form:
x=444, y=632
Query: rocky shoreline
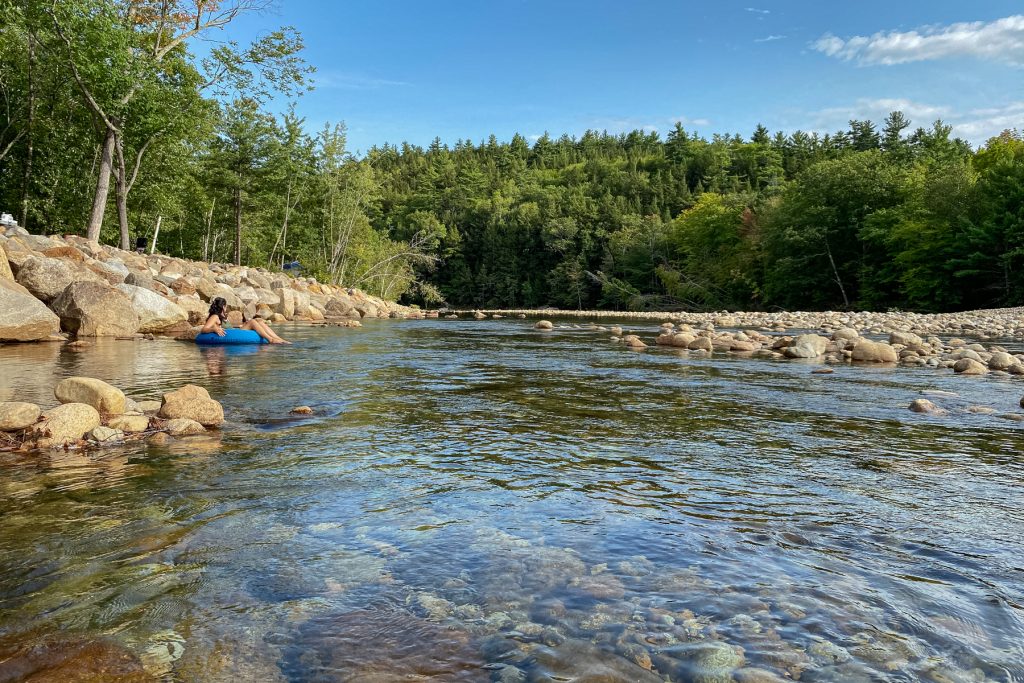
x=981, y=325
x=92, y=414
x=53, y=288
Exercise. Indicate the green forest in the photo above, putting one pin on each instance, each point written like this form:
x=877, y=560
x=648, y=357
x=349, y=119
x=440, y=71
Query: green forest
x=117, y=122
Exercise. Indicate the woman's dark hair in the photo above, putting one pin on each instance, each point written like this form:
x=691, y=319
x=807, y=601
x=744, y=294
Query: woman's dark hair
x=219, y=308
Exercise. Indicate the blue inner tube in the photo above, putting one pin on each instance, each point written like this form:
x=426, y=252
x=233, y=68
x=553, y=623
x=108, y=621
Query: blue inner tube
x=231, y=336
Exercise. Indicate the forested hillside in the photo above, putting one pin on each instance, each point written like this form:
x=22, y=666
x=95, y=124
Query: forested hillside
x=115, y=119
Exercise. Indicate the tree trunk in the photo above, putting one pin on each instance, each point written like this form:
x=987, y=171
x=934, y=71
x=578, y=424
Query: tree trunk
x=835, y=271
x=121, y=199
x=238, y=227
x=156, y=234
x=99, y=201
x=27, y=178
x=206, y=239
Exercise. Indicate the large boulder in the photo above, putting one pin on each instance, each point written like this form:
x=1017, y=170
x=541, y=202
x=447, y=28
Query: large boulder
x=5, y=268
x=339, y=306
x=17, y=415
x=806, y=346
x=1001, y=360
x=94, y=309
x=22, y=316
x=90, y=391
x=969, y=366
x=302, y=306
x=65, y=424
x=194, y=308
x=156, y=313
x=874, y=352
x=192, y=403
x=905, y=338
x=47, y=277
x=286, y=306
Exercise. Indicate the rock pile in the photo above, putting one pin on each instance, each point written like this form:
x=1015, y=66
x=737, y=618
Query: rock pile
x=1002, y=323
x=842, y=345
x=93, y=413
x=51, y=284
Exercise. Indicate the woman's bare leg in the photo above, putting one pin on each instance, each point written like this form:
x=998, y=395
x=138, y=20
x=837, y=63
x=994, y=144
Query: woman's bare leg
x=262, y=329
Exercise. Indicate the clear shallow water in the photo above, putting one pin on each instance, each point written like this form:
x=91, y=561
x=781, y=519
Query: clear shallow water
x=476, y=501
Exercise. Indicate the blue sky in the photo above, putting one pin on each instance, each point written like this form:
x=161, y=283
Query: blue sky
x=409, y=70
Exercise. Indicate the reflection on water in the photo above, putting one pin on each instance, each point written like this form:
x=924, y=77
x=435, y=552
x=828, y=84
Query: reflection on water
x=479, y=502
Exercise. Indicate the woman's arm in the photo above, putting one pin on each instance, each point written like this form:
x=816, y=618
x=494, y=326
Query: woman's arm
x=213, y=324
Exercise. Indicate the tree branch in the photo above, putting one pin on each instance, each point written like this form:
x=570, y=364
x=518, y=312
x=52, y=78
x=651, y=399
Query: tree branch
x=93, y=104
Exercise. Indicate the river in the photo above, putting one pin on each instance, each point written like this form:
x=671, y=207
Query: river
x=478, y=501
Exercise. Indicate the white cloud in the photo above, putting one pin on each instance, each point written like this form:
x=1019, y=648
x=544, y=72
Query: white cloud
x=768, y=39
x=757, y=10
x=687, y=121
x=1001, y=40
x=979, y=125
x=974, y=125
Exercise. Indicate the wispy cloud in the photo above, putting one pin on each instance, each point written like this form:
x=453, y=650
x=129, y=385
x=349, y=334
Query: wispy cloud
x=974, y=125
x=757, y=10
x=687, y=121
x=769, y=39
x=1001, y=40
x=348, y=81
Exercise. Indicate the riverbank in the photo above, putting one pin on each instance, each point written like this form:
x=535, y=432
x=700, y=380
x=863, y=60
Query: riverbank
x=997, y=323
x=56, y=287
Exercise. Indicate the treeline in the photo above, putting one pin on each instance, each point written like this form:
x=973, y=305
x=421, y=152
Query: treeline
x=111, y=126
x=127, y=119
x=865, y=218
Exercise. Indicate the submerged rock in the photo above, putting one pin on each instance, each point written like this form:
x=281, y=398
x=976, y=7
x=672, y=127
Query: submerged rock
x=67, y=661
x=184, y=427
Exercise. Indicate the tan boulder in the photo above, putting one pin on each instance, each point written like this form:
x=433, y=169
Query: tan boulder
x=193, y=403
x=1001, y=360
x=5, y=268
x=544, y=325
x=156, y=313
x=701, y=344
x=46, y=277
x=806, y=346
x=969, y=366
x=869, y=351
x=65, y=424
x=184, y=427
x=148, y=406
x=94, y=309
x=22, y=316
x=286, y=305
x=129, y=424
x=17, y=415
x=93, y=392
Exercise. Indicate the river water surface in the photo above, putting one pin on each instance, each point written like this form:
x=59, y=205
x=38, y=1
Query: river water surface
x=477, y=501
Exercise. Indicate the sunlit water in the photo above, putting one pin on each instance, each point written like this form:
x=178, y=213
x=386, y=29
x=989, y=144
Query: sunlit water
x=477, y=501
